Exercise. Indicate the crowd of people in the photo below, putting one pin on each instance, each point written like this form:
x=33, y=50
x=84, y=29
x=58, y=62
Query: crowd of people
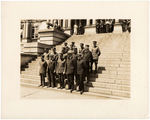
x=71, y=67
x=107, y=25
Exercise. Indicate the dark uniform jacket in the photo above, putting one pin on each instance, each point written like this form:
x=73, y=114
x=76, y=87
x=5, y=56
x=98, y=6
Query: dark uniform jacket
x=50, y=66
x=81, y=50
x=95, y=53
x=60, y=66
x=80, y=67
x=70, y=66
x=87, y=55
x=42, y=69
x=75, y=56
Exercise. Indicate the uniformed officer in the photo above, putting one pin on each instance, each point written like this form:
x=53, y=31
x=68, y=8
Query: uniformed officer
x=80, y=73
x=46, y=54
x=69, y=71
x=66, y=48
x=95, y=54
x=81, y=49
x=54, y=53
x=51, y=71
x=75, y=56
x=60, y=67
x=87, y=57
x=42, y=71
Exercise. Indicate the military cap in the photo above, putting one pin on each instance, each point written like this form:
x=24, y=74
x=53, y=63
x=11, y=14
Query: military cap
x=72, y=42
x=81, y=44
x=47, y=56
x=87, y=45
x=70, y=52
x=54, y=48
x=42, y=56
x=94, y=41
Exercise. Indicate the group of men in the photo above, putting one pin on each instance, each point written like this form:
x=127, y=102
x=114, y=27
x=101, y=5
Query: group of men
x=71, y=67
x=105, y=25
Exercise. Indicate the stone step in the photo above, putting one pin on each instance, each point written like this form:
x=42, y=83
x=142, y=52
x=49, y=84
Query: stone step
x=120, y=77
x=114, y=69
x=30, y=73
x=109, y=86
x=114, y=59
x=30, y=81
x=116, y=72
x=114, y=62
x=111, y=81
x=110, y=92
x=114, y=65
x=28, y=76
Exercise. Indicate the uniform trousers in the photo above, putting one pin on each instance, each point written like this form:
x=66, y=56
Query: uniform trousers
x=51, y=79
x=61, y=79
x=81, y=82
x=95, y=62
x=70, y=78
x=42, y=75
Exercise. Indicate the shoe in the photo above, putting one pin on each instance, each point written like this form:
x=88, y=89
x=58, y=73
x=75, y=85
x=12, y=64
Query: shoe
x=81, y=92
x=39, y=85
x=43, y=86
x=71, y=91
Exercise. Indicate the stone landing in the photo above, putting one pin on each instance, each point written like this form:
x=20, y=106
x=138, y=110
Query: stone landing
x=52, y=36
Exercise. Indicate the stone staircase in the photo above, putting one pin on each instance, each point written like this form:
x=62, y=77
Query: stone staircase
x=113, y=77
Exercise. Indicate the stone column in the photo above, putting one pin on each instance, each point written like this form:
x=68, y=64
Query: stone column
x=88, y=22
x=117, y=27
x=64, y=23
x=69, y=23
x=94, y=22
x=59, y=22
x=27, y=34
x=68, y=27
x=24, y=30
x=90, y=29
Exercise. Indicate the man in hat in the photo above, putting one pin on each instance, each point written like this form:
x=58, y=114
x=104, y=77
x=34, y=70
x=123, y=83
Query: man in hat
x=51, y=71
x=80, y=73
x=54, y=53
x=87, y=57
x=42, y=71
x=60, y=67
x=45, y=54
x=69, y=71
x=72, y=46
x=95, y=54
x=81, y=49
x=66, y=48
x=75, y=56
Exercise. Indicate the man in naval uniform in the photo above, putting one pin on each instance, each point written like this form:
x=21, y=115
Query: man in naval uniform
x=95, y=55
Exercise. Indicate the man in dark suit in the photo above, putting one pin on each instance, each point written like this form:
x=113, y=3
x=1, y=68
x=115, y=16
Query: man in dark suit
x=60, y=67
x=75, y=56
x=66, y=48
x=87, y=57
x=51, y=71
x=81, y=49
x=80, y=72
x=42, y=71
x=69, y=71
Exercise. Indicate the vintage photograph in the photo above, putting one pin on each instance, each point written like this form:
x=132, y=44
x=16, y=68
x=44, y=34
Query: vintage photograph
x=75, y=58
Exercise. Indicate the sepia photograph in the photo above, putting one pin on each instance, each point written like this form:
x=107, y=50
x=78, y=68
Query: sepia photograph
x=63, y=57
x=74, y=60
